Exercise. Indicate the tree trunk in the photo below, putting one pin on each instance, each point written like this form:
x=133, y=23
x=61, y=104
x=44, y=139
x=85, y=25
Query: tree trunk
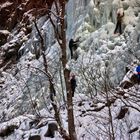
x=62, y=42
x=71, y=125
x=52, y=89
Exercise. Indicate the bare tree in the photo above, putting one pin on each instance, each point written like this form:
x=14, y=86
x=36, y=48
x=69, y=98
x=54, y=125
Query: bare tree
x=61, y=38
x=52, y=89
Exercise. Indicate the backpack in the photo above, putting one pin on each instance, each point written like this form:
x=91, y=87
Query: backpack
x=138, y=69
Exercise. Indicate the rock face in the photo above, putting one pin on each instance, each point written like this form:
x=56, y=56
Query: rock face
x=35, y=137
x=122, y=113
x=3, y=36
x=16, y=15
x=52, y=127
x=127, y=84
x=13, y=12
x=8, y=130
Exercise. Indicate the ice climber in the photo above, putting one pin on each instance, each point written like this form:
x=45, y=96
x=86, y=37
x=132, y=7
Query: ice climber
x=72, y=46
x=73, y=84
x=120, y=15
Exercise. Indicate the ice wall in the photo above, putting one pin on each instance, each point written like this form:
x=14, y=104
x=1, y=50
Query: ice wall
x=95, y=12
x=76, y=13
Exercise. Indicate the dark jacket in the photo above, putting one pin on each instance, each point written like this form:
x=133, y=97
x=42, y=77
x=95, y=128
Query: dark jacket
x=119, y=18
x=72, y=46
x=73, y=84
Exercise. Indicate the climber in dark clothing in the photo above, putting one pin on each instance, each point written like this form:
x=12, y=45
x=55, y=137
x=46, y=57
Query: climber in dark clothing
x=118, y=28
x=73, y=84
x=72, y=46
